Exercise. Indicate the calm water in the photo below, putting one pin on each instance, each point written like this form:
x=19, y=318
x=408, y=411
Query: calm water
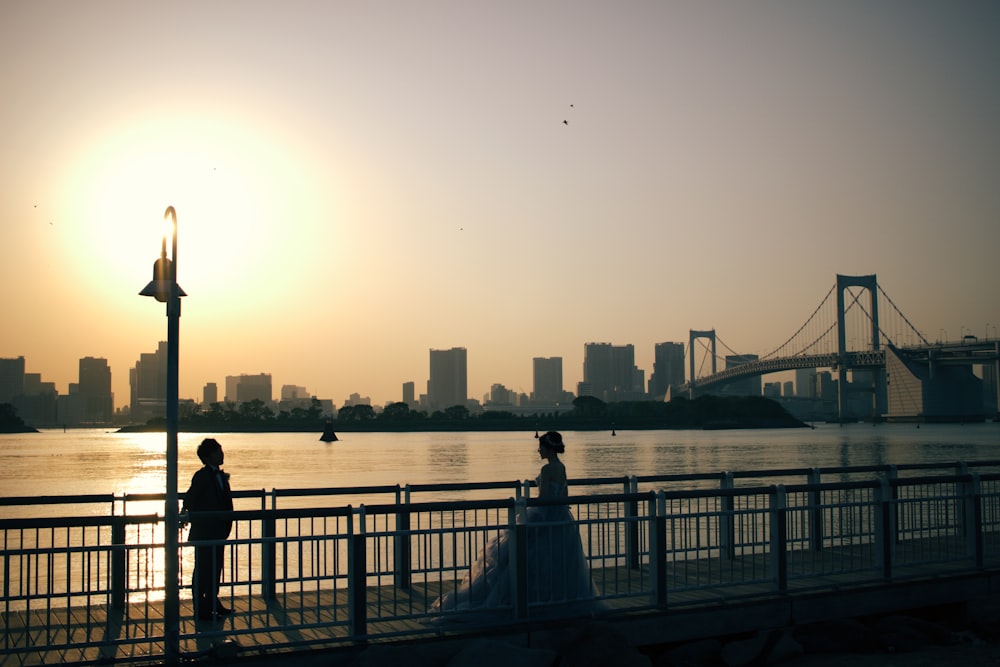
x=96, y=461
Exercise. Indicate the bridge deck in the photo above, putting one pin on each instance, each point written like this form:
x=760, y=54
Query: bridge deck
x=318, y=619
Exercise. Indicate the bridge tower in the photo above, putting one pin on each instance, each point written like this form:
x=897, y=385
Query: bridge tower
x=695, y=335
x=878, y=389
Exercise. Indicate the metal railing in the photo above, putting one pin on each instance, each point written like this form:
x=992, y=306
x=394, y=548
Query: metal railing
x=91, y=587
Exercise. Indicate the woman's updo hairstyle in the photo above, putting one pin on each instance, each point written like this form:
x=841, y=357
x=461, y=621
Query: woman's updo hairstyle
x=553, y=441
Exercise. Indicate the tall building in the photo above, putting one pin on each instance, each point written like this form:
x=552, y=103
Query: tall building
x=95, y=389
x=610, y=374
x=148, y=385
x=598, y=370
x=668, y=368
x=11, y=379
x=449, y=378
x=409, y=395
x=210, y=394
x=805, y=383
x=547, y=380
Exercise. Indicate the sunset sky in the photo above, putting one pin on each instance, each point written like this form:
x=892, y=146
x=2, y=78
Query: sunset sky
x=359, y=182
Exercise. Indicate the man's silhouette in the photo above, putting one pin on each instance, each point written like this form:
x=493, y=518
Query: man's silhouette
x=209, y=492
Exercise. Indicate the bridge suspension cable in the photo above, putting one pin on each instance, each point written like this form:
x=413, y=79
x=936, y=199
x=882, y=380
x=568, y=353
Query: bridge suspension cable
x=809, y=319
x=900, y=313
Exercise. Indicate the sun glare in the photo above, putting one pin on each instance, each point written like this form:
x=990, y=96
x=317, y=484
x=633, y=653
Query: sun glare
x=216, y=177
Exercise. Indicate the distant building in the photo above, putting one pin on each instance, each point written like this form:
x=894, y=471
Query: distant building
x=11, y=379
x=547, y=380
x=824, y=386
x=246, y=388
x=409, y=395
x=357, y=399
x=148, y=385
x=788, y=389
x=210, y=394
x=36, y=402
x=448, y=383
x=668, y=368
x=805, y=383
x=500, y=396
x=95, y=388
x=599, y=370
x=610, y=374
x=291, y=392
x=294, y=397
x=772, y=390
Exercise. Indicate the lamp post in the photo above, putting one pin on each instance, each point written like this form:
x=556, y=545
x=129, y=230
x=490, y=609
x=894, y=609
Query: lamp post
x=164, y=288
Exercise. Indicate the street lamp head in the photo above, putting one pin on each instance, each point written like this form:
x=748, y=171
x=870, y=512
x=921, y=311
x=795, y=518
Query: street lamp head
x=159, y=286
x=165, y=270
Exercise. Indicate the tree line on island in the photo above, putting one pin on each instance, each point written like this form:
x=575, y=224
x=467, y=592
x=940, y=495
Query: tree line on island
x=588, y=413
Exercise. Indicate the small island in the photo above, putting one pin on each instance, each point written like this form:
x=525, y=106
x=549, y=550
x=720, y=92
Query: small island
x=10, y=422
x=588, y=414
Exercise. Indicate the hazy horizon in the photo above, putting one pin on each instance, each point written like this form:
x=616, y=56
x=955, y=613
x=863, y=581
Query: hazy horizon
x=358, y=183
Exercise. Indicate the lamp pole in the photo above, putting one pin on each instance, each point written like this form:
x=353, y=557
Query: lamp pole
x=164, y=288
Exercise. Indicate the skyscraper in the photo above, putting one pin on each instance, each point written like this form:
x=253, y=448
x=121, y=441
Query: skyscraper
x=610, y=374
x=547, y=380
x=11, y=379
x=409, y=394
x=148, y=385
x=668, y=368
x=448, y=383
x=95, y=387
x=599, y=369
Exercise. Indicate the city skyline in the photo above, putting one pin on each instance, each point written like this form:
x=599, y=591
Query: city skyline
x=358, y=184
x=541, y=371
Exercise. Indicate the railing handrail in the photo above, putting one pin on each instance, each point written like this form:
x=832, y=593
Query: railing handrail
x=77, y=521
x=473, y=486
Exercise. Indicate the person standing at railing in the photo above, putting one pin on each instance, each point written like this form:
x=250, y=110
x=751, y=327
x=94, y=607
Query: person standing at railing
x=558, y=577
x=209, y=492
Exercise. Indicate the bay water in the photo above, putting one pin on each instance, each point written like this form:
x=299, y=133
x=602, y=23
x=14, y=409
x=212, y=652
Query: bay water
x=100, y=461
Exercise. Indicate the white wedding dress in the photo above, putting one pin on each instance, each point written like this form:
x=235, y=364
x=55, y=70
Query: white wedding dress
x=558, y=578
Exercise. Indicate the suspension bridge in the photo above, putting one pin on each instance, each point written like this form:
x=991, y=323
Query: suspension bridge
x=907, y=376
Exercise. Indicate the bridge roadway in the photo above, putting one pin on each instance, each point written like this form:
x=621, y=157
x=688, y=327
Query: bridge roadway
x=690, y=613
x=951, y=353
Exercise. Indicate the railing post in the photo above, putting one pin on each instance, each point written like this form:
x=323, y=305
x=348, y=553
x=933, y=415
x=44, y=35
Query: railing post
x=727, y=525
x=892, y=474
x=118, y=562
x=658, y=546
x=631, y=527
x=357, y=568
x=815, y=511
x=403, y=566
x=885, y=526
x=973, y=519
x=516, y=521
x=779, y=538
x=268, y=554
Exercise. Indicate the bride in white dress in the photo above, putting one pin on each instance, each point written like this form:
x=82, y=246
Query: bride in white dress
x=558, y=578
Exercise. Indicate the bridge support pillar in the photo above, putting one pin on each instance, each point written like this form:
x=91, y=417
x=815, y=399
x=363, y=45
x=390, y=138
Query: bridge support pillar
x=694, y=335
x=878, y=404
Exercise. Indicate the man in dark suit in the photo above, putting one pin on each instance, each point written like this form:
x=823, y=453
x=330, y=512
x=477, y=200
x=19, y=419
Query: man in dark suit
x=209, y=492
